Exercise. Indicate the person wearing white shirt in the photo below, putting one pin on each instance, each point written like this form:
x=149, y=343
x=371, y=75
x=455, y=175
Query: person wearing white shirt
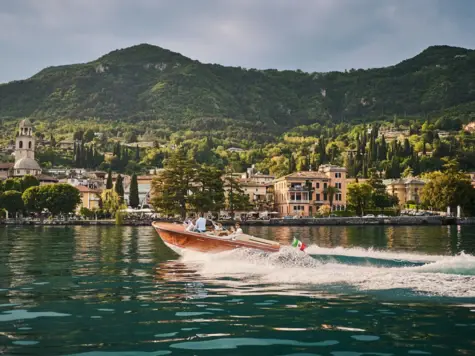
x=238, y=229
x=191, y=226
x=201, y=224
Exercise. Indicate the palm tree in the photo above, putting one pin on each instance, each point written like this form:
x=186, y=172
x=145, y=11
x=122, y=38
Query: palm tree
x=331, y=191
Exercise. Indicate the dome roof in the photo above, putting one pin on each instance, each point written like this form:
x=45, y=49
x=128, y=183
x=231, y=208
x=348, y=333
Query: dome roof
x=25, y=123
x=27, y=163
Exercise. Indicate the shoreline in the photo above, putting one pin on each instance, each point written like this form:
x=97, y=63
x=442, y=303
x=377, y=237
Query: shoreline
x=334, y=221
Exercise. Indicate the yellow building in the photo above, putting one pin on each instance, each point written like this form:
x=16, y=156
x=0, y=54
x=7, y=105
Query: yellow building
x=90, y=198
x=302, y=193
x=406, y=189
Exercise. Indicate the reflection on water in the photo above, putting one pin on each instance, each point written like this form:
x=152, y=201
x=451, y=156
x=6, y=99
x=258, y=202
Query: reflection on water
x=76, y=290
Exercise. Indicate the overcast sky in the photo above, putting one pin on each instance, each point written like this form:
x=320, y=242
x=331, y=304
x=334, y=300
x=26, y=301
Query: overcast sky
x=312, y=35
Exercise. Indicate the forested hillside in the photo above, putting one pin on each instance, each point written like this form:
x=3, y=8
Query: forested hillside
x=148, y=83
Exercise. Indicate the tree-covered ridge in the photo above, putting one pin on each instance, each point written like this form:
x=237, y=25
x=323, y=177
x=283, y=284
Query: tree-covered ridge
x=148, y=83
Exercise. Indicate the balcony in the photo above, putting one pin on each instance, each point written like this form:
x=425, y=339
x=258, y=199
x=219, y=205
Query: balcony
x=299, y=189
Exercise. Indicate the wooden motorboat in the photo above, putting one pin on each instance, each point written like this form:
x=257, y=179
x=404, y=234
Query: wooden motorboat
x=178, y=239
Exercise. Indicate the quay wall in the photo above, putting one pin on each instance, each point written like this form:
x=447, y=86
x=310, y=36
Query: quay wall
x=333, y=221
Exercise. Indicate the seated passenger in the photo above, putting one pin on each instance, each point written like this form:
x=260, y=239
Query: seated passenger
x=191, y=225
x=200, y=224
x=238, y=229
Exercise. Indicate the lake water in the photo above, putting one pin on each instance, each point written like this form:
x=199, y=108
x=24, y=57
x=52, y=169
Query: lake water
x=99, y=291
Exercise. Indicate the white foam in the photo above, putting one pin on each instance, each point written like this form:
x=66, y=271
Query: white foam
x=289, y=269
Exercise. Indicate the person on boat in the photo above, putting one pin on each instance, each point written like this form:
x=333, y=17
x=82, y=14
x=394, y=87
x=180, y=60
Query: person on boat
x=200, y=225
x=191, y=225
x=238, y=229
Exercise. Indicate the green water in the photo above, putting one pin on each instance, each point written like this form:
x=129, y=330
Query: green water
x=119, y=291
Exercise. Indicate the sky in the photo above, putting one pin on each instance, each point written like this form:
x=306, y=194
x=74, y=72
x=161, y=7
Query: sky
x=311, y=35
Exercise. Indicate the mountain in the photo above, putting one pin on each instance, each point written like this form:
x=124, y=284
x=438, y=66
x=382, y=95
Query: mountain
x=146, y=83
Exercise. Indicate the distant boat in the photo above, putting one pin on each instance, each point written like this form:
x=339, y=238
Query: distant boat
x=178, y=239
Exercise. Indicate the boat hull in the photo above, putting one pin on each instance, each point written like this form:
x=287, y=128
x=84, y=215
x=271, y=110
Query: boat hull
x=179, y=240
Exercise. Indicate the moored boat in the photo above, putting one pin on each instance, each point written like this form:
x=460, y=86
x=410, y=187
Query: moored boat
x=178, y=239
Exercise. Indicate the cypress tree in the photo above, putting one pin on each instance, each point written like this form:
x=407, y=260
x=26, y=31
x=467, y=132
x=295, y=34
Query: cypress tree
x=137, y=153
x=119, y=187
x=134, y=200
x=109, y=184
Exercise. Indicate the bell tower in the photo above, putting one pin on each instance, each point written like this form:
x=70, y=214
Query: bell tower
x=25, y=141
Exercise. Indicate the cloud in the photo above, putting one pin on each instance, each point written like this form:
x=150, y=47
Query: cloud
x=312, y=35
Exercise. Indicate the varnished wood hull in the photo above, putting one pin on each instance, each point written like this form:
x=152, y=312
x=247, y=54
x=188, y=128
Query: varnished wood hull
x=175, y=236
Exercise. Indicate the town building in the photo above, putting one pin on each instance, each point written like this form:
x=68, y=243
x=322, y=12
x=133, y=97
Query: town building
x=25, y=162
x=406, y=189
x=90, y=197
x=303, y=193
x=144, y=184
x=5, y=170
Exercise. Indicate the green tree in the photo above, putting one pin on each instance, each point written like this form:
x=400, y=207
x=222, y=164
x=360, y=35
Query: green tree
x=60, y=198
x=449, y=189
x=119, y=187
x=12, y=184
x=109, y=183
x=111, y=201
x=11, y=201
x=236, y=198
x=171, y=188
x=359, y=196
x=88, y=135
x=29, y=181
x=208, y=194
x=34, y=199
x=331, y=191
x=134, y=200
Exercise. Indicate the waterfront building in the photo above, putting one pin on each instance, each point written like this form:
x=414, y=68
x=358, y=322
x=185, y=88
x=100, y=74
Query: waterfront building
x=90, y=197
x=25, y=162
x=406, y=189
x=303, y=193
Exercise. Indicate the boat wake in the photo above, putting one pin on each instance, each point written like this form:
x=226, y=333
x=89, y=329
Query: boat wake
x=332, y=268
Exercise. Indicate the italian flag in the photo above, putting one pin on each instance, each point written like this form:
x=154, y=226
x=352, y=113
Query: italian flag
x=299, y=244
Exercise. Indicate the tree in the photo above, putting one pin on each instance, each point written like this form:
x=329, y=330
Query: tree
x=134, y=200
x=236, y=198
x=358, y=196
x=325, y=210
x=331, y=191
x=85, y=212
x=29, y=181
x=111, y=201
x=34, y=199
x=208, y=194
x=449, y=189
x=172, y=187
x=62, y=198
x=88, y=135
x=12, y=184
x=109, y=184
x=119, y=187
x=11, y=201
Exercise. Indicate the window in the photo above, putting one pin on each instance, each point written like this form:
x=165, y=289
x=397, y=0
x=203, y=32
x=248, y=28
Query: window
x=325, y=196
x=338, y=197
x=325, y=185
x=29, y=145
x=337, y=175
x=317, y=198
x=20, y=144
x=27, y=171
x=338, y=185
x=317, y=185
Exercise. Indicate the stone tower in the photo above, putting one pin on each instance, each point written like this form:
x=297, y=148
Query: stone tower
x=25, y=151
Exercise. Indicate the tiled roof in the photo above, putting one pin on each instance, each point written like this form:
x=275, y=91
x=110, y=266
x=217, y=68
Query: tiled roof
x=307, y=174
x=7, y=165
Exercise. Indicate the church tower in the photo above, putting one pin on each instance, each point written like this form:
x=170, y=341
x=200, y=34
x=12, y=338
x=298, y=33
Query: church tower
x=25, y=142
x=25, y=151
